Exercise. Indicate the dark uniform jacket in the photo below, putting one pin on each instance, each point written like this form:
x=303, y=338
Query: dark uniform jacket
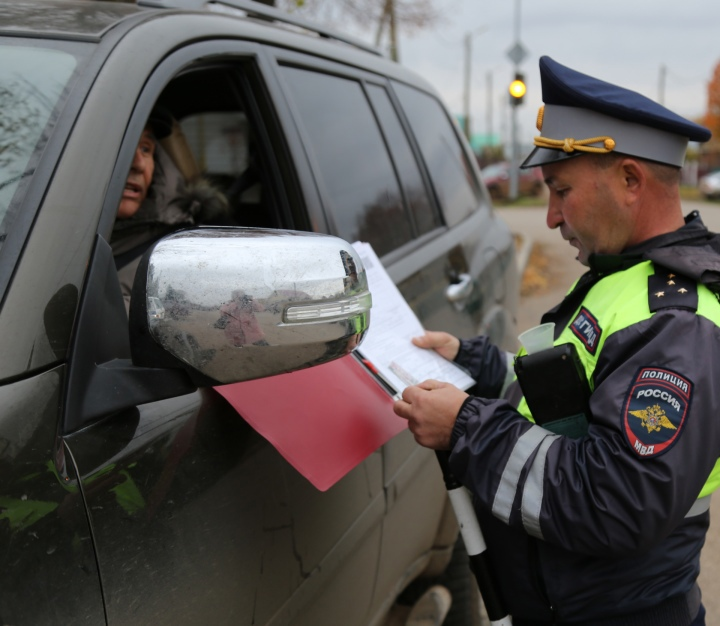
x=588, y=530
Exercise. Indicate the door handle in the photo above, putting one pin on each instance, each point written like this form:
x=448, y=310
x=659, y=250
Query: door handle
x=460, y=290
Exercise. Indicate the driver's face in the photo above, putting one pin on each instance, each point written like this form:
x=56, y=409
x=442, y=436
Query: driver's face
x=140, y=176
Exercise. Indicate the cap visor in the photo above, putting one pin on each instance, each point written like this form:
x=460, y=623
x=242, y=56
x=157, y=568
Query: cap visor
x=545, y=156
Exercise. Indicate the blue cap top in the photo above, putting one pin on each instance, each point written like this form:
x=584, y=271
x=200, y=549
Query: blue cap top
x=579, y=107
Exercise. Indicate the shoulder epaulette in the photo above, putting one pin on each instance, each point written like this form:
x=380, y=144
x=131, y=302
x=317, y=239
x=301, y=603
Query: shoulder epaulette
x=668, y=290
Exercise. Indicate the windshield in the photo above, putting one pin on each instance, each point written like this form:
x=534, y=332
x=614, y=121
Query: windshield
x=33, y=81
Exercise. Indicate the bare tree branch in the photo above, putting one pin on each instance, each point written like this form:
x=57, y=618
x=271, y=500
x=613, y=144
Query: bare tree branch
x=411, y=15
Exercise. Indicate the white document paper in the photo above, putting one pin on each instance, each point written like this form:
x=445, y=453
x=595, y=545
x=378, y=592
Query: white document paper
x=393, y=324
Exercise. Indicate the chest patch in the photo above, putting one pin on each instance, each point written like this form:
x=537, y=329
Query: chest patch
x=655, y=410
x=586, y=328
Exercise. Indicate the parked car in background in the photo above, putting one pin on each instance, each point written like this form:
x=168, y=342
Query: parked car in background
x=132, y=491
x=497, y=180
x=709, y=185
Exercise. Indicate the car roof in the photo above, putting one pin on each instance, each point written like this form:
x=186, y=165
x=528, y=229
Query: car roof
x=91, y=19
x=68, y=19
x=97, y=21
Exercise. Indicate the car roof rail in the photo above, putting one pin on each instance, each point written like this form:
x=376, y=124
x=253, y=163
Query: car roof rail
x=256, y=9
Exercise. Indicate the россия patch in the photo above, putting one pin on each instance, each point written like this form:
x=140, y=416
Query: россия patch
x=655, y=410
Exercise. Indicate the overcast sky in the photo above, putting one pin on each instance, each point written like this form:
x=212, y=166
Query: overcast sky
x=625, y=42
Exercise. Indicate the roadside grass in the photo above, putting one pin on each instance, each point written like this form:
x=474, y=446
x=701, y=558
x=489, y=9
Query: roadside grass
x=537, y=277
x=690, y=193
x=522, y=201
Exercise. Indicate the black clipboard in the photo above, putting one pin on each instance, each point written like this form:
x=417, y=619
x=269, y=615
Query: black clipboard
x=556, y=389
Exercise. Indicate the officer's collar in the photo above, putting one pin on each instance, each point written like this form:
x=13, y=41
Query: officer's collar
x=603, y=264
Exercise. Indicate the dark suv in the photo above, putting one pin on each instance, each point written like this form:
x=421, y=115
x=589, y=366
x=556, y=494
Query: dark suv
x=132, y=491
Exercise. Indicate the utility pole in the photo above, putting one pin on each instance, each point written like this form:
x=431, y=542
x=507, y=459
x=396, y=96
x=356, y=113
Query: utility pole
x=489, y=112
x=394, y=51
x=661, y=84
x=467, y=77
x=466, y=87
x=515, y=154
x=388, y=16
x=517, y=90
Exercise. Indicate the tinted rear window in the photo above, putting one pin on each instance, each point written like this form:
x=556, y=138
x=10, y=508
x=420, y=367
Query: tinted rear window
x=416, y=195
x=357, y=177
x=447, y=164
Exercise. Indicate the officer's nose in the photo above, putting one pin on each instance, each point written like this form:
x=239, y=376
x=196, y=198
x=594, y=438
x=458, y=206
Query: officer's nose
x=554, y=218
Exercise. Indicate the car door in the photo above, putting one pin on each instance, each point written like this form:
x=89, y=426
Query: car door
x=390, y=169
x=49, y=572
x=196, y=518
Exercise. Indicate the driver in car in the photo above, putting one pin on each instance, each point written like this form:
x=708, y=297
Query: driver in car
x=157, y=200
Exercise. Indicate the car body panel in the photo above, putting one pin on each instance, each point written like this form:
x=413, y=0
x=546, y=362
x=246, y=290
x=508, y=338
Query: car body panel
x=211, y=512
x=45, y=539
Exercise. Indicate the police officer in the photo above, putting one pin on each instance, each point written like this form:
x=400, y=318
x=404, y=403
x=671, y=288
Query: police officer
x=604, y=528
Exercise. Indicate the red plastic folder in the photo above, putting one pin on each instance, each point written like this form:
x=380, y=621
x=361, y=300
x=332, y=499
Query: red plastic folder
x=324, y=420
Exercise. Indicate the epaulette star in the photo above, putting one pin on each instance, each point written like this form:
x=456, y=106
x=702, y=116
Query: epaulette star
x=671, y=291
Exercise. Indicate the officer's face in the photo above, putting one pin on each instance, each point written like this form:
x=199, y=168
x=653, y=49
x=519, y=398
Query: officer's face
x=140, y=176
x=585, y=203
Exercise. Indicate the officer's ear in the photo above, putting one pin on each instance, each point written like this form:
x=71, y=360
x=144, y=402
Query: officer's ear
x=634, y=179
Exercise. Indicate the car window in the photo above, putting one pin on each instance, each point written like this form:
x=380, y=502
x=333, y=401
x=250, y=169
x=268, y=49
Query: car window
x=220, y=144
x=356, y=173
x=416, y=194
x=223, y=148
x=447, y=164
x=33, y=81
x=219, y=141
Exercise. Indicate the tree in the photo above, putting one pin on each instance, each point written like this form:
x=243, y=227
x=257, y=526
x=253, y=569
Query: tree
x=408, y=15
x=712, y=115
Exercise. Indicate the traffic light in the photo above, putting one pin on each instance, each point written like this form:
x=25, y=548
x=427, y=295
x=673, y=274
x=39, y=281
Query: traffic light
x=517, y=89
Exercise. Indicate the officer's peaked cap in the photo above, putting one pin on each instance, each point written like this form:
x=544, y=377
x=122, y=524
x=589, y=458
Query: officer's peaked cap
x=585, y=115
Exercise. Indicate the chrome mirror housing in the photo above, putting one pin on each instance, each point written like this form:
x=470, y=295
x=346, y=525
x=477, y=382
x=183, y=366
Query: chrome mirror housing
x=233, y=304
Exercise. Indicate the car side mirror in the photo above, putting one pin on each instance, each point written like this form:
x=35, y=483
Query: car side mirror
x=234, y=304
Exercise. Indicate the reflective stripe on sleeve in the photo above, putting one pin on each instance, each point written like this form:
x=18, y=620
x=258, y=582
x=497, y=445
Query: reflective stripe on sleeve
x=699, y=507
x=533, y=490
x=523, y=450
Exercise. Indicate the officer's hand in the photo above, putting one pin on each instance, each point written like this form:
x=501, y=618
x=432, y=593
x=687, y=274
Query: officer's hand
x=431, y=409
x=443, y=343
